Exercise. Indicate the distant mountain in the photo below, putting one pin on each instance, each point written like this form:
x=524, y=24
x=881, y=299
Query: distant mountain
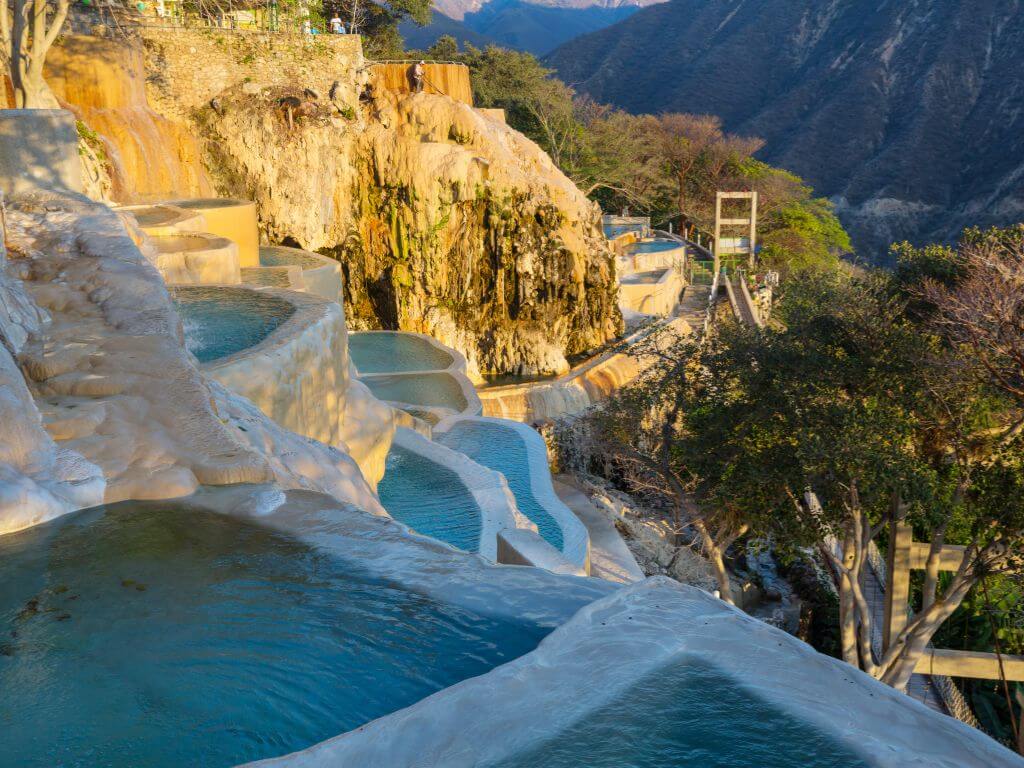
x=538, y=27
x=909, y=114
x=457, y=9
x=419, y=38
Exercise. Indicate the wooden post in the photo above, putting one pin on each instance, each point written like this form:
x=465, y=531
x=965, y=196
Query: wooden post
x=753, y=227
x=897, y=590
x=718, y=231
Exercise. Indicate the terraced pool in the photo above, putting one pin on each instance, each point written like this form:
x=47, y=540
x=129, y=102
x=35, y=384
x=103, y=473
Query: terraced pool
x=435, y=389
x=220, y=321
x=656, y=245
x=395, y=352
x=502, y=449
x=430, y=499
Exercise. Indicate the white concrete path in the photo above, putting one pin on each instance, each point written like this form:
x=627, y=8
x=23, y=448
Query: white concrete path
x=610, y=558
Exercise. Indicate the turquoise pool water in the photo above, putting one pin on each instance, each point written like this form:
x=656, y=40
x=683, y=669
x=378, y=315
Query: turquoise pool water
x=222, y=321
x=439, y=390
x=283, y=256
x=395, y=352
x=155, y=634
x=654, y=246
x=502, y=449
x=689, y=715
x=430, y=499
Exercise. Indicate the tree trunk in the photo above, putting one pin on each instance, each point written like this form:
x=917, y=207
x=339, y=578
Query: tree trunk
x=716, y=555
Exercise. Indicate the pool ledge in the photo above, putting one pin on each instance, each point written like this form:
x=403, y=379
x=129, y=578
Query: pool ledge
x=491, y=493
x=576, y=540
x=298, y=374
x=583, y=666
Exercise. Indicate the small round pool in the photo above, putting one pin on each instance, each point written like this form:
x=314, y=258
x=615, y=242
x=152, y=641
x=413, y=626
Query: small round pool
x=158, y=634
x=395, y=352
x=220, y=321
x=656, y=245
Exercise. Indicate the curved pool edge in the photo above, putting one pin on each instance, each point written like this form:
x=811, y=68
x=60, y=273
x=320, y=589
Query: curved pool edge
x=298, y=374
x=494, y=499
x=575, y=538
x=392, y=551
x=580, y=667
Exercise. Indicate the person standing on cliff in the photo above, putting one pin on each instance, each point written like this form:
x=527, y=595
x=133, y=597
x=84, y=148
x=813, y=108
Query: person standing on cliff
x=418, y=73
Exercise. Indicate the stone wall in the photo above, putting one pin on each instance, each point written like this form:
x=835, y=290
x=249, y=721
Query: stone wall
x=189, y=67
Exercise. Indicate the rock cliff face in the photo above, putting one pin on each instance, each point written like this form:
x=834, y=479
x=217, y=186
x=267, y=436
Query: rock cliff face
x=907, y=113
x=445, y=221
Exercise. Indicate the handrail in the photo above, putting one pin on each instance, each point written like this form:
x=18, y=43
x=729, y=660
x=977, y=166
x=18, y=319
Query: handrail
x=416, y=61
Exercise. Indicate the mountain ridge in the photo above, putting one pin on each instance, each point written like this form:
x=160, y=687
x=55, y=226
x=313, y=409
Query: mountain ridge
x=909, y=116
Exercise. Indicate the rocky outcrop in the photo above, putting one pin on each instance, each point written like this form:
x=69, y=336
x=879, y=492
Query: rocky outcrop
x=445, y=221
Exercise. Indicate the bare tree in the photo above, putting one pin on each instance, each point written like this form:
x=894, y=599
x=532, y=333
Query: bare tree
x=28, y=29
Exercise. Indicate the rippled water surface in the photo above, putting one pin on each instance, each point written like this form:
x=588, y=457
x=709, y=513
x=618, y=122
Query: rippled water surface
x=151, y=634
x=222, y=321
x=502, y=449
x=430, y=499
x=386, y=352
x=688, y=715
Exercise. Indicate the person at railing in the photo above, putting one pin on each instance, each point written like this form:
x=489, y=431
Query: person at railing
x=337, y=27
x=418, y=74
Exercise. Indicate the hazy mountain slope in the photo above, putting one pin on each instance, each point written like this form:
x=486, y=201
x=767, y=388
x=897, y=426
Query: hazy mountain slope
x=910, y=114
x=540, y=29
x=419, y=38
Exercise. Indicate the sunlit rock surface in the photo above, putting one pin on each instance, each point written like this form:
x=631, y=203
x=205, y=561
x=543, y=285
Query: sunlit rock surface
x=103, y=369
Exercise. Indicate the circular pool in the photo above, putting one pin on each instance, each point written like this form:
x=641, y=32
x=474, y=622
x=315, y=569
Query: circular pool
x=220, y=321
x=657, y=245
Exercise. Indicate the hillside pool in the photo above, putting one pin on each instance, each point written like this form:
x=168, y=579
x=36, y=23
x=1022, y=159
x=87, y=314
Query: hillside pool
x=430, y=499
x=654, y=246
x=220, y=321
x=159, y=634
x=502, y=449
x=434, y=390
x=395, y=352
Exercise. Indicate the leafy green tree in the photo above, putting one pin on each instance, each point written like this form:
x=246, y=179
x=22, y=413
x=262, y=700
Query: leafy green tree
x=845, y=417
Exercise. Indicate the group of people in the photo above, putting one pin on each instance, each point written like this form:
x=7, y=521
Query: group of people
x=336, y=24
